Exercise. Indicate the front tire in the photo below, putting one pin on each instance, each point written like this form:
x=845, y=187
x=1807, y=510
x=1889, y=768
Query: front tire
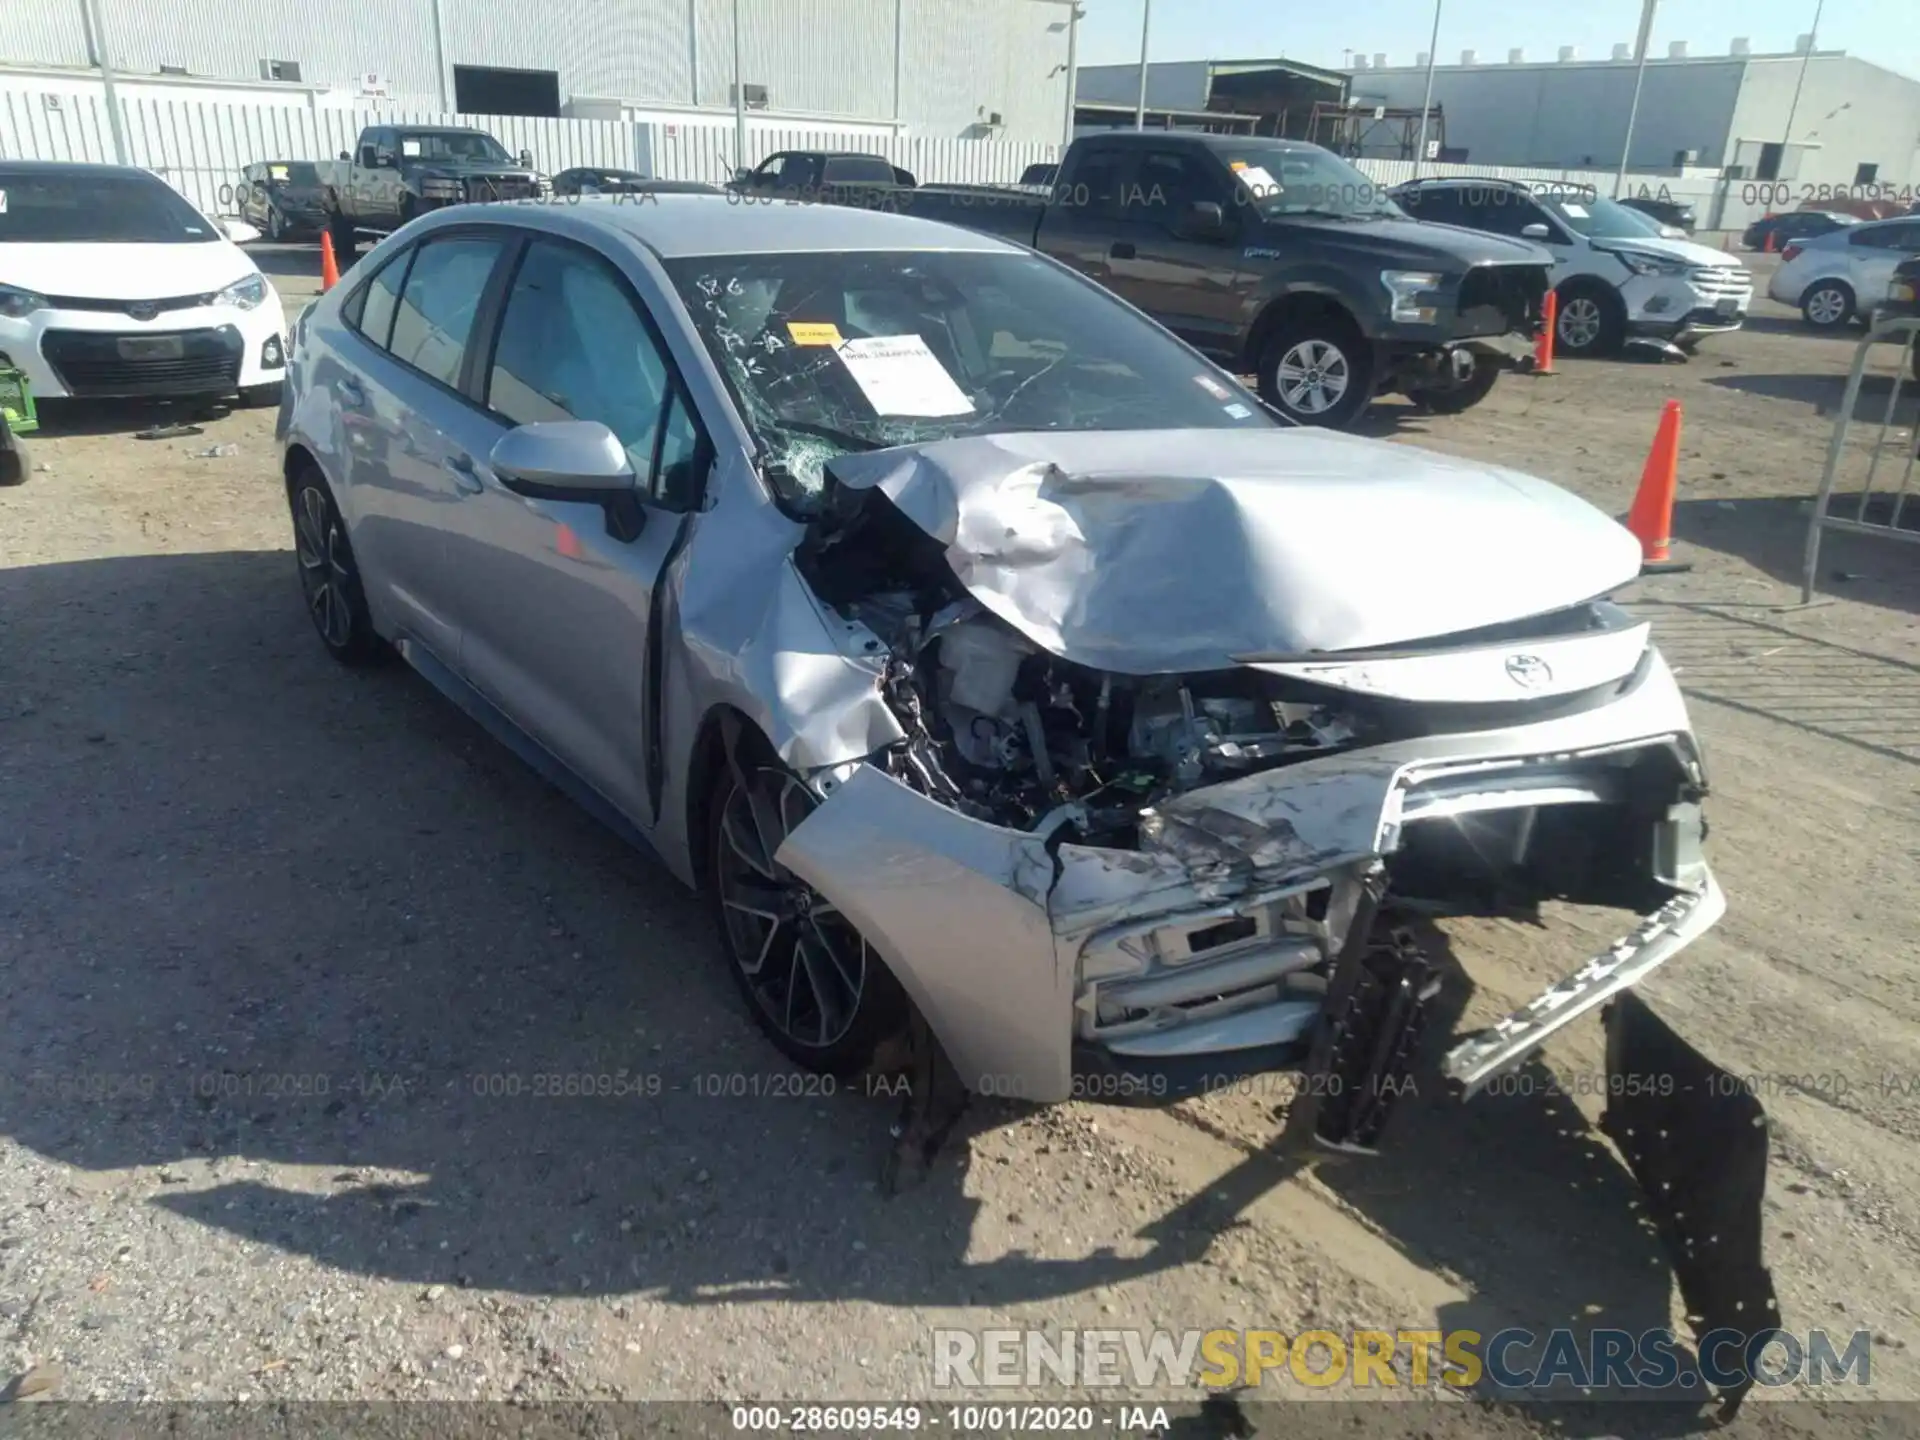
x=344, y=238
x=261, y=397
x=811, y=982
x=1318, y=371
x=1829, y=305
x=329, y=577
x=276, y=224
x=1591, y=322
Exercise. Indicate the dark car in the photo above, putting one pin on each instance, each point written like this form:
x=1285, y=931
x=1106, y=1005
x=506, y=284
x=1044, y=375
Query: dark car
x=1040, y=175
x=1903, y=303
x=834, y=176
x=1794, y=225
x=398, y=172
x=282, y=198
x=1676, y=213
x=596, y=180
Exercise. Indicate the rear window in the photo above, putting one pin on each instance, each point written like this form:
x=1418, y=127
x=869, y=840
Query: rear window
x=858, y=170
x=105, y=207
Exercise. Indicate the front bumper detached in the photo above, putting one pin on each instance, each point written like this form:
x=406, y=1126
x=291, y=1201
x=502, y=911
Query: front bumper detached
x=1189, y=959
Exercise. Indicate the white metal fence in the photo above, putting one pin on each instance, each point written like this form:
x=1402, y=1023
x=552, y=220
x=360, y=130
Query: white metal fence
x=200, y=146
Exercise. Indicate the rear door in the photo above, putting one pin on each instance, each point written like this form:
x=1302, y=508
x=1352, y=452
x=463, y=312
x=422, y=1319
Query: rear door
x=409, y=426
x=556, y=612
x=1874, y=252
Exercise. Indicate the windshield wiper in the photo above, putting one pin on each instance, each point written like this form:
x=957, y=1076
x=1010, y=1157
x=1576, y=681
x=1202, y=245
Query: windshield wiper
x=844, y=438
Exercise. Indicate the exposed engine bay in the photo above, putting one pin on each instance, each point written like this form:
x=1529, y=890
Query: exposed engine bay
x=1182, y=761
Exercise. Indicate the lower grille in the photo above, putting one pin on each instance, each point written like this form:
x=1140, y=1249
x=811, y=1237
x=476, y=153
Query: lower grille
x=91, y=362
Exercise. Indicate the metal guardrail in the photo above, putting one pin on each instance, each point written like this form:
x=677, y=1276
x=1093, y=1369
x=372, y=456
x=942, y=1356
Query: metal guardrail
x=1904, y=330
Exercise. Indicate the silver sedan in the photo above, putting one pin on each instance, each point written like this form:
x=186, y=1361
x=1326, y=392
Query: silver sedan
x=1005, y=672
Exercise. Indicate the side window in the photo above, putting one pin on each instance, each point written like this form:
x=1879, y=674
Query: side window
x=1504, y=212
x=1875, y=237
x=677, y=480
x=1439, y=204
x=1169, y=182
x=1095, y=187
x=370, y=309
x=438, y=302
x=573, y=346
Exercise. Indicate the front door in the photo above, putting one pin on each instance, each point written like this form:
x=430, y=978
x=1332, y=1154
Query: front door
x=555, y=612
x=1183, y=279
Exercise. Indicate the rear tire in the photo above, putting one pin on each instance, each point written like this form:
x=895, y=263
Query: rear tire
x=813, y=985
x=1318, y=370
x=1828, y=305
x=329, y=576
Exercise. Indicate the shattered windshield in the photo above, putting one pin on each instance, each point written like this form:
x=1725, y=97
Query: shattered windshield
x=830, y=352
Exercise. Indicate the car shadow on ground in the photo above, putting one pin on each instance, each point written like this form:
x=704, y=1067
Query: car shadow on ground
x=1770, y=534
x=351, y=983
x=1823, y=394
x=125, y=417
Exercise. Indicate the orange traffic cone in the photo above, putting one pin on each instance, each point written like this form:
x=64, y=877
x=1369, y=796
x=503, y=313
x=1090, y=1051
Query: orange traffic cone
x=1651, y=518
x=1772, y=243
x=329, y=267
x=1543, y=348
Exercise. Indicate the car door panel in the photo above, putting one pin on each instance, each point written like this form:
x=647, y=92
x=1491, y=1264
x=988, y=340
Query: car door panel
x=1186, y=283
x=409, y=428
x=555, y=611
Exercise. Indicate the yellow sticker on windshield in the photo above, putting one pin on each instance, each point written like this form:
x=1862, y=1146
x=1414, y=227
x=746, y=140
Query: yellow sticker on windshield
x=811, y=333
x=1236, y=165
x=277, y=172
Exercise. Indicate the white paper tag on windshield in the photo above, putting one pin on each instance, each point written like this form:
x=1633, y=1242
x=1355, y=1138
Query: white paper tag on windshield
x=899, y=375
x=1578, y=212
x=1256, y=179
x=410, y=147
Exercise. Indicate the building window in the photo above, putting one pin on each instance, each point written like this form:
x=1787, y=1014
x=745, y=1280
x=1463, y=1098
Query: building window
x=1865, y=174
x=1770, y=157
x=280, y=70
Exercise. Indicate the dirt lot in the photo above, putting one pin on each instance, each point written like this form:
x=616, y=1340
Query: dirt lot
x=269, y=932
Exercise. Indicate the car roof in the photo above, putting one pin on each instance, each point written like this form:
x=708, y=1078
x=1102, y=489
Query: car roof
x=1480, y=182
x=24, y=168
x=676, y=226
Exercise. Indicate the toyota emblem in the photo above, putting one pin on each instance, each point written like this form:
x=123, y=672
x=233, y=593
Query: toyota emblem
x=1529, y=672
x=143, y=310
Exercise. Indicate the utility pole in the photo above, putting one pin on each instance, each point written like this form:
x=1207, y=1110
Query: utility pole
x=97, y=40
x=1140, y=104
x=1073, y=73
x=1426, y=107
x=1813, y=40
x=739, y=98
x=1639, y=78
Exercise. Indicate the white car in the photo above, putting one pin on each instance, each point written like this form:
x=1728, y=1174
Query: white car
x=113, y=285
x=1616, y=275
x=1836, y=277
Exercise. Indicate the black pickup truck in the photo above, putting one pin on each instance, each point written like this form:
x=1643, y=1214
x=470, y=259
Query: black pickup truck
x=1280, y=260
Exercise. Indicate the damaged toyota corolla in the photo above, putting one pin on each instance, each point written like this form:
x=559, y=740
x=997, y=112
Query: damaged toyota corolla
x=1007, y=673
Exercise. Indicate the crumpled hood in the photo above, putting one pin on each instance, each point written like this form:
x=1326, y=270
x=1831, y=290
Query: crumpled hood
x=1163, y=551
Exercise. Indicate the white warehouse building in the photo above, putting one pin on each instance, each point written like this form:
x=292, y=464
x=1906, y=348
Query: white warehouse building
x=1854, y=122
x=972, y=69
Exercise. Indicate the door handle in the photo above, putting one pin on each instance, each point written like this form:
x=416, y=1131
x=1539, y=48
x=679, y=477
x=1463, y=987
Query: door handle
x=461, y=467
x=1122, y=250
x=350, y=391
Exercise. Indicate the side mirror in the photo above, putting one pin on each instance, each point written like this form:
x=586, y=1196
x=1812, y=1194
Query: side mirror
x=1535, y=231
x=526, y=159
x=742, y=174
x=1204, y=220
x=578, y=461
x=347, y=156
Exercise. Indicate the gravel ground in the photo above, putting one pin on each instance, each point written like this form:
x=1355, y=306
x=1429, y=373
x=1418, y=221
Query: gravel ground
x=278, y=942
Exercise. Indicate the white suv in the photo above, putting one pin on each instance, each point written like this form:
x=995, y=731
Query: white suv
x=1843, y=275
x=1616, y=275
